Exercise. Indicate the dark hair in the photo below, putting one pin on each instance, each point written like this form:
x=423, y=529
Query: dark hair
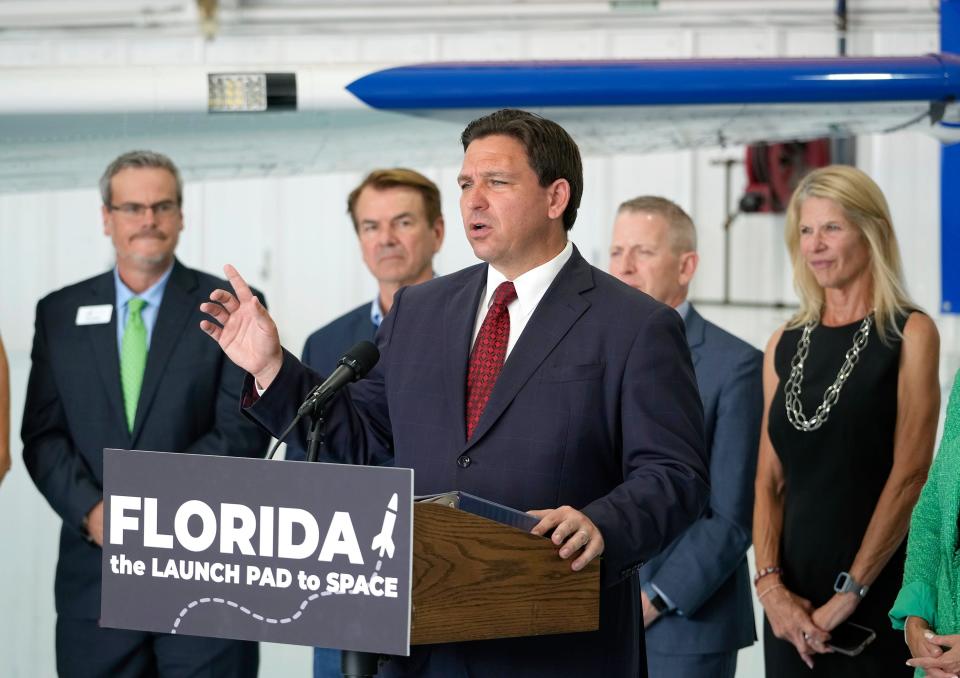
x=551, y=152
x=403, y=178
x=138, y=159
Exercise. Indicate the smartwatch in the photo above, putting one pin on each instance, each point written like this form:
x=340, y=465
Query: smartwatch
x=847, y=584
x=659, y=604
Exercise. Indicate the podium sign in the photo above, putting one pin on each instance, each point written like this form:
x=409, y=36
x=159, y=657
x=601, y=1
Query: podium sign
x=286, y=552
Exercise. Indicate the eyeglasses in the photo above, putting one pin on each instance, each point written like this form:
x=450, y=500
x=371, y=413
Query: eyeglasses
x=161, y=210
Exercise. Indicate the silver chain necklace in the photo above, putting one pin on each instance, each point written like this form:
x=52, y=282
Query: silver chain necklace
x=832, y=394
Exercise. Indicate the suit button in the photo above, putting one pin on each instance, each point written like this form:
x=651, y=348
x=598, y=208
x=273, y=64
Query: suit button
x=463, y=461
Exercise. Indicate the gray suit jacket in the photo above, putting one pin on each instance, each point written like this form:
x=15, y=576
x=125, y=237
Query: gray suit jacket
x=704, y=572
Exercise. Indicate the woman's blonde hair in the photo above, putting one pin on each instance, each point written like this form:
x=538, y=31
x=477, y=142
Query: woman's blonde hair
x=865, y=207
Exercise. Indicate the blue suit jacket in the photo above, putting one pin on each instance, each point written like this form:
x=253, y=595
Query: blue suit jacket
x=704, y=572
x=74, y=409
x=327, y=345
x=324, y=348
x=596, y=407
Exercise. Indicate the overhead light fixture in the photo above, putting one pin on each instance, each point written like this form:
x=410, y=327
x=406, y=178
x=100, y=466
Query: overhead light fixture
x=251, y=92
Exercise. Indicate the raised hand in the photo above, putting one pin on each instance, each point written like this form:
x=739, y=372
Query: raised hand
x=244, y=329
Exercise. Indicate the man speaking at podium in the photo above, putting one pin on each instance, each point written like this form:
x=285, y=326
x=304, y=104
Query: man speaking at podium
x=533, y=379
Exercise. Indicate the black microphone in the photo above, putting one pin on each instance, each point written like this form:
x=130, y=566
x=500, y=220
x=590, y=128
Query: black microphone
x=353, y=365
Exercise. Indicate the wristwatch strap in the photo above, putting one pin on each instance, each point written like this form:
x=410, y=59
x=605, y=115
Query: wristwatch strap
x=847, y=584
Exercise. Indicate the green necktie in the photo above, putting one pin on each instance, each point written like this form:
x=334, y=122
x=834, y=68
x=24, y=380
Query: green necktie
x=133, y=358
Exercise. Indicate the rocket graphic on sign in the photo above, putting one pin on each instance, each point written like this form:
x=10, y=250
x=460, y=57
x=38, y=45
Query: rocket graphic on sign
x=384, y=540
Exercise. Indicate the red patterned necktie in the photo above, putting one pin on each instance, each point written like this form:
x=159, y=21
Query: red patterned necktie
x=488, y=355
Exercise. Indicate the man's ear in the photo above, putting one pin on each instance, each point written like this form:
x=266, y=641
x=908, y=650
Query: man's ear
x=558, y=194
x=107, y=217
x=688, y=266
x=439, y=227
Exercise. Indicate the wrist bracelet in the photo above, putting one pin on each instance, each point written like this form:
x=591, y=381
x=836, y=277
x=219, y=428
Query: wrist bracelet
x=765, y=571
x=766, y=591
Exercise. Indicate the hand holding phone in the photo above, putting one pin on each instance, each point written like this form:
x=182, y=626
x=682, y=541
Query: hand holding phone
x=850, y=639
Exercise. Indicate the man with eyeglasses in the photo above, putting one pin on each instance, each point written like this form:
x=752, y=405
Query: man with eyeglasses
x=117, y=363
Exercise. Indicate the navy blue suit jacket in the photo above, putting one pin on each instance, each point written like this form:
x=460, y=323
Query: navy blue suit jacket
x=596, y=407
x=704, y=572
x=327, y=345
x=324, y=348
x=74, y=409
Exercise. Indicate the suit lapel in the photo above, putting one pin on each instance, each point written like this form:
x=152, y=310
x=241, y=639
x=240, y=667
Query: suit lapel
x=458, y=318
x=695, y=326
x=175, y=310
x=103, y=339
x=556, y=313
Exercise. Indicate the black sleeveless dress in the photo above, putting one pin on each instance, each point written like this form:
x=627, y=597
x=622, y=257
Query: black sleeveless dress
x=834, y=477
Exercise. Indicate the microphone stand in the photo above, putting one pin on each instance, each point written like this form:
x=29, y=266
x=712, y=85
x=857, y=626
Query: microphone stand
x=315, y=438
x=353, y=664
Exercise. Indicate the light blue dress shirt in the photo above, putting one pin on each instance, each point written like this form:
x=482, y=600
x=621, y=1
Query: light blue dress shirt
x=152, y=295
x=376, y=313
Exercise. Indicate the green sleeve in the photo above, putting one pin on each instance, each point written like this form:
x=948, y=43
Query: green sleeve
x=923, y=542
x=918, y=599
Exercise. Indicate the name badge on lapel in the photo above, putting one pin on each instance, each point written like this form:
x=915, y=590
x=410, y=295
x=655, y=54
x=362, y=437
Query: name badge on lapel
x=94, y=315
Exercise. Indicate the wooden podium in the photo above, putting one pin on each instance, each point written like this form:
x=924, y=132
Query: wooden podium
x=476, y=579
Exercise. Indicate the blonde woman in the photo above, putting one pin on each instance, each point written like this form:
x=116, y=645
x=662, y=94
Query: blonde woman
x=851, y=401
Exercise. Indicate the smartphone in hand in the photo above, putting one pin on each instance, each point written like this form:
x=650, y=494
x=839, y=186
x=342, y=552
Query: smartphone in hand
x=850, y=638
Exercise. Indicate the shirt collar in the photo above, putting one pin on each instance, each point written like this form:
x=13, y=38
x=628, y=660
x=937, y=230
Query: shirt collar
x=376, y=313
x=683, y=309
x=153, y=295
x=530, y=286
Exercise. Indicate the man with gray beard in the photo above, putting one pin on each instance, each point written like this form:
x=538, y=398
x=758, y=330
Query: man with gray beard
x=118, y=363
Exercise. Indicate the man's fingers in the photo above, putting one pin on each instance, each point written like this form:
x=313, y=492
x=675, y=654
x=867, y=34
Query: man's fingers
x=575, y=541
x=593, y=549
x=216, y=311
x=548, y=520
x=212, y=329
x=225, y=299
x=239, y=285
x=563, y=531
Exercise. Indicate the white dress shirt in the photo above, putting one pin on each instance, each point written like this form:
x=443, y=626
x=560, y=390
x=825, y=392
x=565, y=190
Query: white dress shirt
x=530, y=286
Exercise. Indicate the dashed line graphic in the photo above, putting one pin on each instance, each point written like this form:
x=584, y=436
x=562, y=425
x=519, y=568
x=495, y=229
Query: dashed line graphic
x=268, y=620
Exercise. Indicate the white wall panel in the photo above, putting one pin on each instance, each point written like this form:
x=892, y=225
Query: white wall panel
x=485, y=45
x=324, y=49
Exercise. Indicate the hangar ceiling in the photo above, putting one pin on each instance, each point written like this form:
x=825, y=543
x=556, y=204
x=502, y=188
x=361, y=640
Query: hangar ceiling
x=250, y=16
